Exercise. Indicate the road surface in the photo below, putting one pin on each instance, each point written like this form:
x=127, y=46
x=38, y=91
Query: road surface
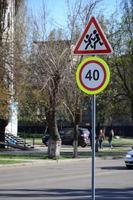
x=66, y=180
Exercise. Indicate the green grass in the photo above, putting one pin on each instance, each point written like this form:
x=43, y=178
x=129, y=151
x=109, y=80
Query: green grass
x=37, y=141
x=106, y=152
x=23, y=156
x=6, y=161
x=121, y=142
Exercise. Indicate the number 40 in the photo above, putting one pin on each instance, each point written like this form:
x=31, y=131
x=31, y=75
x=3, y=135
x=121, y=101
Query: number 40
x=92, y=75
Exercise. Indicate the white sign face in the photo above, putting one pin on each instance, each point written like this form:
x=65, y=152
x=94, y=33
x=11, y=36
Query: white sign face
x=93, y=40
x=92, y=75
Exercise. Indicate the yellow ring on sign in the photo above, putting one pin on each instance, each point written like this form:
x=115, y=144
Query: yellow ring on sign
x=107, y=77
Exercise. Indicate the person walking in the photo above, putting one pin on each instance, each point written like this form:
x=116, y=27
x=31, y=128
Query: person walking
x=110, y=138
x=101, y=138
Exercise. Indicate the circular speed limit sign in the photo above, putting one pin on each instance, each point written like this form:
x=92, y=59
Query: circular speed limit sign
x=92, y=75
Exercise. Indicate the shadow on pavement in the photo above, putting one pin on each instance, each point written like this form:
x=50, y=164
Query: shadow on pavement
x=71, y=194
x=115, y=168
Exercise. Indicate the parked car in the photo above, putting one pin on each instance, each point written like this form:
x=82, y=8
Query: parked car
x=129, y=159
x=67, y=137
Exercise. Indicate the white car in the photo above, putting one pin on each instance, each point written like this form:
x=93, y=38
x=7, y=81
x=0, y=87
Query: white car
x=129, y=159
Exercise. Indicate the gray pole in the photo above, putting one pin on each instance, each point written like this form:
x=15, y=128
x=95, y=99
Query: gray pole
x=93, y=143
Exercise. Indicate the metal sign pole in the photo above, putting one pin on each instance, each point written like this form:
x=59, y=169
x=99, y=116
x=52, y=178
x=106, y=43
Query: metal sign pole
x=93, y=143
x=87, y=75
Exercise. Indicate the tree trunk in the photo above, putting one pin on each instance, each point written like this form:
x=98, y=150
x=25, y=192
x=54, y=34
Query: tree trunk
x=75, y=141
x=54, y=144
x=76, y=131
x=3, y=124
x=54, y=147
x=97, y=137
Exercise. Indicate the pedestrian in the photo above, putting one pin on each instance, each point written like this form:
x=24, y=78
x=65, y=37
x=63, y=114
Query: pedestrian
x=90, y=136
x=101, y=138
x=110, y=138
x=97, y=138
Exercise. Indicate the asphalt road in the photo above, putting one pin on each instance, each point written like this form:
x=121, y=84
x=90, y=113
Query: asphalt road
x=66, y=180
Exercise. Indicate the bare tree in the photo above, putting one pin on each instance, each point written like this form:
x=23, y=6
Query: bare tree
x=49, y=72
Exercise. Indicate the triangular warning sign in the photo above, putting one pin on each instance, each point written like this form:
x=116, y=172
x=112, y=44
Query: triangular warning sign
x=93, y=40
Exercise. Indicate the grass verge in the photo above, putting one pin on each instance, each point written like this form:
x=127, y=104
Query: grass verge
x=105, y=152
x=8, y=162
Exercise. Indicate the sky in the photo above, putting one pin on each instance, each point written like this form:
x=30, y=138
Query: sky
x=57, y=12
